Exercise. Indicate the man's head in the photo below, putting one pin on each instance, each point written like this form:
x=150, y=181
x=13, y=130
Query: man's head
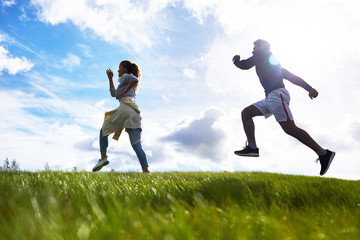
x=261, y=44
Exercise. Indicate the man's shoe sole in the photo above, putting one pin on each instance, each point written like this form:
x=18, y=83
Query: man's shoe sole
x=330, y=161
x=247, y=154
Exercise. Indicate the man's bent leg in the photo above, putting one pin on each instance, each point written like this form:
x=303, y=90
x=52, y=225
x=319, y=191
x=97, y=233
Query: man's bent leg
x=325, y=156
x=249, y=127
x=290, y=128
x=247, y=118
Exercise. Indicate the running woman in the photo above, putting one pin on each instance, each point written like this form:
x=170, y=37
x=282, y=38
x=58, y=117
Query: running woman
x=127, y=115
x=276, y=102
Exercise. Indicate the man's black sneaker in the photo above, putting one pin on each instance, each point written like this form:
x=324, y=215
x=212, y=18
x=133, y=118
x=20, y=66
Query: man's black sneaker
x=248, y=152
x=325, y=161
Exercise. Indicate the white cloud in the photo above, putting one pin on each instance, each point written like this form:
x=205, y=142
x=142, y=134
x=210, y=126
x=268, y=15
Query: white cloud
x=3, y=37
x=168, y=40
x=13, y=64
x=23, y=17
x=129, y=22
x=165, y=98
x=47, y=134
x=86, y=50
x=200, y=9
x=189, y=73
x=70, y=62
x=233, y=16
x=201, y=136
x=7, y=3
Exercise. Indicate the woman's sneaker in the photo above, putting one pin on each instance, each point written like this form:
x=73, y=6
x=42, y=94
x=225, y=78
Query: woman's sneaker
x=102, y=162
x=248, y=152
x=325, y=161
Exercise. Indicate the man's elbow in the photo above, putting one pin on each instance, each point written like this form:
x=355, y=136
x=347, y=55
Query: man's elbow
x=242, y=66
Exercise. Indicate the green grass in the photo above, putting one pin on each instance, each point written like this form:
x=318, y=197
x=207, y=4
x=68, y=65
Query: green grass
x=177, y=205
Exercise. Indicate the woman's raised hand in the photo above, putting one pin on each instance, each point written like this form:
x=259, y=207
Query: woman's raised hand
x=109, y=73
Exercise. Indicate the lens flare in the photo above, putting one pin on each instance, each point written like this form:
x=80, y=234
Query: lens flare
x=273, y=61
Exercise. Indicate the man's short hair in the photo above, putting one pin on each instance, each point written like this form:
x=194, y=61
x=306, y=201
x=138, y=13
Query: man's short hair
x=263, y=43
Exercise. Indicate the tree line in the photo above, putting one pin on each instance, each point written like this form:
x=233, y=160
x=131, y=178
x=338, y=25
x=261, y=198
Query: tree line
x=14, y=166
x=10, y=166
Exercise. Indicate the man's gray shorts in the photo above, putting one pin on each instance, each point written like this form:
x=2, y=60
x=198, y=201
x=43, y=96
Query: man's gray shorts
x=276, y=103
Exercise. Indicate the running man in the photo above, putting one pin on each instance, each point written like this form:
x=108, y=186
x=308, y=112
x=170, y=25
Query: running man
x=276, y=102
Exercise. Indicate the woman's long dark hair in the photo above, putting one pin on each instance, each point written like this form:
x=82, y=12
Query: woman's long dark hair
x=132, y=68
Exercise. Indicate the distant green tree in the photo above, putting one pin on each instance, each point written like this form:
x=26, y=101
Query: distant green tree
x=14, y=166
x=47, y=167
x=6, y=166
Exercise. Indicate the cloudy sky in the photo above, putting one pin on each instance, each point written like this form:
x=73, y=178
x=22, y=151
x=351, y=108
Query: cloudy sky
x=54, y=90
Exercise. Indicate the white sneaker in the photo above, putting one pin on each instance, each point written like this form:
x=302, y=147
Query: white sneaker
x=102, y=162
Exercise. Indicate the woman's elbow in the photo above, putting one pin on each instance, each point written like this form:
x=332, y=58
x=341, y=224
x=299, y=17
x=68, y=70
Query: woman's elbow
x=113, y=92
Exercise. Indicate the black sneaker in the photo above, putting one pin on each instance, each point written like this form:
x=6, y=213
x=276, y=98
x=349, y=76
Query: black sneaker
x=325, y=161
x=248, y=152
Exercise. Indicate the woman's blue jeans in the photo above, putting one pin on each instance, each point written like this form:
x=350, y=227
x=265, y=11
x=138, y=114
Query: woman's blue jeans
x=135, y=140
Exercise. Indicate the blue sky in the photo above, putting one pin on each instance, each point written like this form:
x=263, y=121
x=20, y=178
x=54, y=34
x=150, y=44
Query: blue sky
x=54, y=90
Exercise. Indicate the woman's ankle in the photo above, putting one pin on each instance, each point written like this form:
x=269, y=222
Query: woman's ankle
x=103, y=154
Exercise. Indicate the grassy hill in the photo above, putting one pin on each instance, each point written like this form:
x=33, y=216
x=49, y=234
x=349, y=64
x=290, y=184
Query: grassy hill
x=177, y=205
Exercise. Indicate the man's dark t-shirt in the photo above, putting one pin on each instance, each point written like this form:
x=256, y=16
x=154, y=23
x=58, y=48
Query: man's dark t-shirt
x=267, y=68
